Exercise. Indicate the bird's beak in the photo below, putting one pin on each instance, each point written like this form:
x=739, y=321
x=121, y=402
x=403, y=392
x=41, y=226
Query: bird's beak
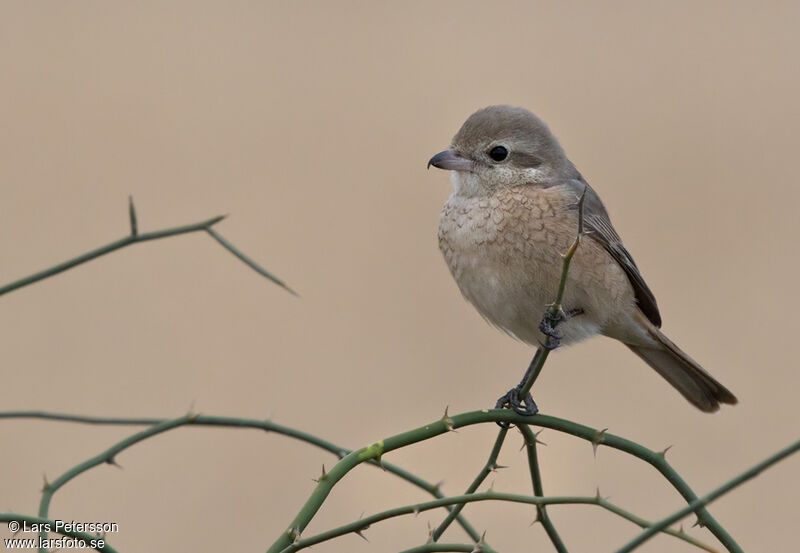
x=450, y=160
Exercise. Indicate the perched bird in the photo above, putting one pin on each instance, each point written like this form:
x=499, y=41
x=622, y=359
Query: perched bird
x=513, y=213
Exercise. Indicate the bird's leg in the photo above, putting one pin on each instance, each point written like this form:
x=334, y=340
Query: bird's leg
x=522, y=406
x=525, y=406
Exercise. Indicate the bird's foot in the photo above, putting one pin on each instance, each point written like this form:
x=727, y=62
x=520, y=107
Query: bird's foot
x=549, y=325
x=511, y=400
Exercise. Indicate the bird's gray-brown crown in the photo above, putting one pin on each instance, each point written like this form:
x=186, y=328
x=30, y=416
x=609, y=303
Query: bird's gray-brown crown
x=506, y=143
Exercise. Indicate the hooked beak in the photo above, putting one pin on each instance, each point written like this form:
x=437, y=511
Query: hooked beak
x=449, y=159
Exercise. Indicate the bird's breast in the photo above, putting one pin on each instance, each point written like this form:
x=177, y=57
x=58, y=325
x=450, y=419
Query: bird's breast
x=504, y=253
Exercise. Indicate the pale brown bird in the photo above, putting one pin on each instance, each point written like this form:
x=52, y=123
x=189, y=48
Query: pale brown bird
x=513, y=213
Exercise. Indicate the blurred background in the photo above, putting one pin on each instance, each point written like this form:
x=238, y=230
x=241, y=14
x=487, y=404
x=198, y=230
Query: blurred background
x=311, y=124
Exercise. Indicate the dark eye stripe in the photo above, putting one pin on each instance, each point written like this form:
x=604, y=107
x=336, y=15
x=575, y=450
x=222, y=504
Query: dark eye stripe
x=526, y=160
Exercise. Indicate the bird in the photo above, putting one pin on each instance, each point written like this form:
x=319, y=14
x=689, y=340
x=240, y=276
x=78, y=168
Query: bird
x=513, y=213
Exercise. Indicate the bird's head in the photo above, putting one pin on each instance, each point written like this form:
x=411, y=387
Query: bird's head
x=502, y=146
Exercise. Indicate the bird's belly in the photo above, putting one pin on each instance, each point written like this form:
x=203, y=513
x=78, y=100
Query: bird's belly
x=515, y=299
x=510, y=275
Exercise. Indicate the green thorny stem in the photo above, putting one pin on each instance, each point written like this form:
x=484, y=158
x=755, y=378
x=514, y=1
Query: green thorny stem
x=133, y=238
x=448, y=423
x=358, y=526
x=490, y=466
x=705, y=500
x=158, y=425
x=536, y=481
x=106, y=457
x=372, y=454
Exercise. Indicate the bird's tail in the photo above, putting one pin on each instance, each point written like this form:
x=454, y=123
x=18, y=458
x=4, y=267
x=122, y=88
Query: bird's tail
x=684, y=373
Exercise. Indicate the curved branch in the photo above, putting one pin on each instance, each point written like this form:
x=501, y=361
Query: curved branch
x=106, y=456
x=705, y=500
x=447, y=424
x=269, y=426
x=362, y=524
x=371, y=454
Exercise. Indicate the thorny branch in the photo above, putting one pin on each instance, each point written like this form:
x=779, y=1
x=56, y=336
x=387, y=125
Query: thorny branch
x=158, y=425
x=134, y=238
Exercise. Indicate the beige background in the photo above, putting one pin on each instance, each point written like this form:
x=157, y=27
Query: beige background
x=311, y=124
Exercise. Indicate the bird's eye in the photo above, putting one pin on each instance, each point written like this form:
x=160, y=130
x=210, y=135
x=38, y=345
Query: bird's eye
x=498, y=153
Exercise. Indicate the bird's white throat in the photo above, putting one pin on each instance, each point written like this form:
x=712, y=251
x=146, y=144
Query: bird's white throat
x=470, y=184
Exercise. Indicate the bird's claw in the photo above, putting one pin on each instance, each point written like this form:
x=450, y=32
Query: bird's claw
x=511, y=400
x=548, y=326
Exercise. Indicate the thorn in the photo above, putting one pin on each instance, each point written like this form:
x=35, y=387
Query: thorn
x=447, y=420
x=113, y=462
x=481, y=542
x=663, y=452
x=598, y=439
x=322, y=477
x=360, y=530
x=416, y=511
x=190, y=414
x=46, y=485
x=536, y=440
x=430, y=533
x=294, y=534
x=698, y=523
x=538, y=515
x=495, y=467
x=491, y=488
x=132, y=216
x=599, y=497
x=680, y=529
x=342, y=454
x=437, y=488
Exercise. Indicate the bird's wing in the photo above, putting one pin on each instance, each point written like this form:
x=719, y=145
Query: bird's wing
x=600, y=229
